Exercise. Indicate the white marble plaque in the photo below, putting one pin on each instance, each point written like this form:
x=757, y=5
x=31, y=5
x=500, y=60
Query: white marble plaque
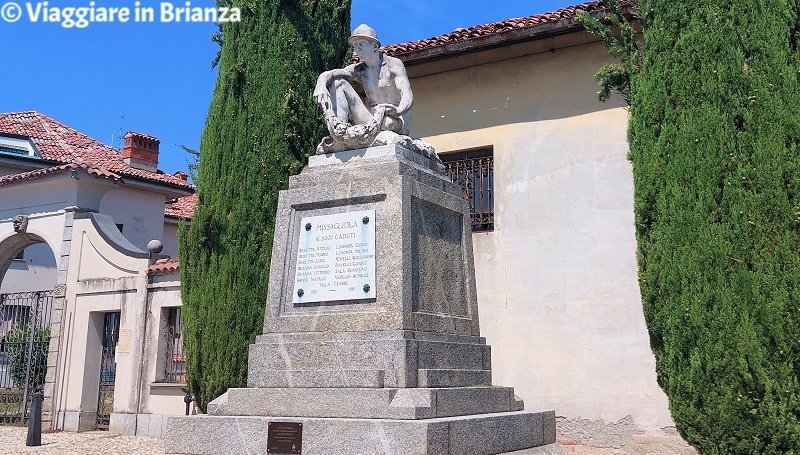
x=335, y=258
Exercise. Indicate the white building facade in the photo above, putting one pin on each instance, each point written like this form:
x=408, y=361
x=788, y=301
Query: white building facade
x=76, y=219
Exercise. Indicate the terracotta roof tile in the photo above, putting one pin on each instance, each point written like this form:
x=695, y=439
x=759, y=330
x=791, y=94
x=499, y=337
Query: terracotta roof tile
x=496, y=28
x=164, y=267
x=183, y=207
x=58, y=142
x=91, y=169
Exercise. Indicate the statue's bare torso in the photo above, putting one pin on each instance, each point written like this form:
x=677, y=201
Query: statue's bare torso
x=385, y=85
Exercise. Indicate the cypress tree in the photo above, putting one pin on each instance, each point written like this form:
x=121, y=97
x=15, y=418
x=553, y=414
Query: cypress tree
x=261, y=126
x=714, y=134
x=619, y=35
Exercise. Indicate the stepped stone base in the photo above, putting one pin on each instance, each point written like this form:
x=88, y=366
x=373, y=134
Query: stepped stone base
x=482, y=434
x=376, y=359
x=402, y=404
x=344, y=421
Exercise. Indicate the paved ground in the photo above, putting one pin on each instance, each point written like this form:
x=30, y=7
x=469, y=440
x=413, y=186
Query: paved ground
x=640, y=445
x=12, y=441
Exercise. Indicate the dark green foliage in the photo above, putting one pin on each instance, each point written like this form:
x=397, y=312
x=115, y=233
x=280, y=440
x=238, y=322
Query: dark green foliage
x=714, y=136
x=619, y=36
x=191, y=164
x=262, y=125
x=17, y=345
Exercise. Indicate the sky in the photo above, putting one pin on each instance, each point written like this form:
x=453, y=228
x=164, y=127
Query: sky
x=105, y=79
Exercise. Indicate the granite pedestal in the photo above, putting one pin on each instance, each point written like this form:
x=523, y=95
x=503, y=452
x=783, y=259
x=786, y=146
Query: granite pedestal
x=402, y=372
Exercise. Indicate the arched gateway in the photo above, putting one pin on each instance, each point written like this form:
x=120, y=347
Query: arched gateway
x=30, y=314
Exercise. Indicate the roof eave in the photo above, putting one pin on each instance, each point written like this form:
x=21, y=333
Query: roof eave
x=62, y=174
x=176, y=219
x=29, y=163
x=171, y=190
x=480, y=43
x=547, y=30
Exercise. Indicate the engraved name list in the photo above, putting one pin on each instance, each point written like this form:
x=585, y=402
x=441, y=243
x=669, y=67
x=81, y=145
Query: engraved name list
x=336, y=258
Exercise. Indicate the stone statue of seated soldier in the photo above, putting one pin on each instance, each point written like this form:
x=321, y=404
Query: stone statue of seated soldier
x=382, y=118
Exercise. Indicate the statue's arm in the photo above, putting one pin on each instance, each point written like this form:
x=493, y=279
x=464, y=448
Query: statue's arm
x=321, y=93
x=403, y=86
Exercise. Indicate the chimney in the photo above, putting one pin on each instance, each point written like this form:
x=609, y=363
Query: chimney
x=140, y=151
x=181, y=175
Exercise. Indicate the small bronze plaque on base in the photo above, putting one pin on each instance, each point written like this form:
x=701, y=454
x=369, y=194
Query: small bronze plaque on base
x=284, y=437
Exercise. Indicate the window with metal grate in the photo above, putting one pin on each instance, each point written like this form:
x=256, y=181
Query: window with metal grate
x=473, y=170
x=175, y=365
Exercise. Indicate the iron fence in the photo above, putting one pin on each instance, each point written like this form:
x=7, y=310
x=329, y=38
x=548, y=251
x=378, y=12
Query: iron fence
x=24, y=342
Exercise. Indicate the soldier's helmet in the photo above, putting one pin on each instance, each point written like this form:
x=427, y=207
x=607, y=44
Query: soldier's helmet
x=364, y=31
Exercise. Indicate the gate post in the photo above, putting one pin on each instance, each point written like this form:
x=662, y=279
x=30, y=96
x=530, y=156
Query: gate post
x=54, y=347
x=52, y=403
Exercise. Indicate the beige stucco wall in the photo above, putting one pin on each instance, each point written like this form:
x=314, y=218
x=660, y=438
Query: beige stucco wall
x=43, y=201
x=160, y=397
x=557, y=279
x=102, y=279
x=170, y=238
x=140, y=212
x=148, y=398
x=47, y=196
